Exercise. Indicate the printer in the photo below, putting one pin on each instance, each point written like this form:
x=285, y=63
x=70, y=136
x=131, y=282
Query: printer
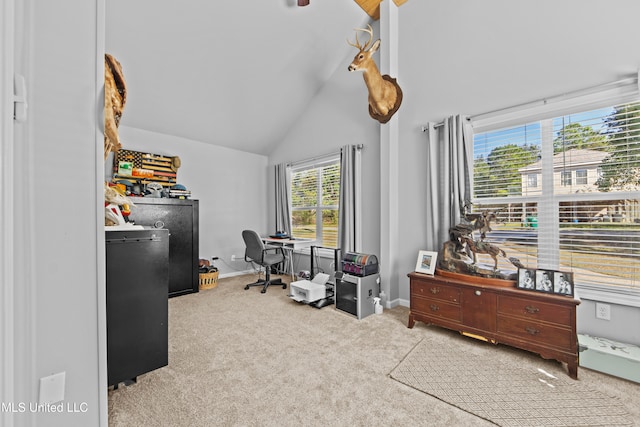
x=309, y=291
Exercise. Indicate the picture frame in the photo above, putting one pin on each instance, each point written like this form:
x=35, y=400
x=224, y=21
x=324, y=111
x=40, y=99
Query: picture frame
x=563, y=283
x=544, y=281
x=526, y=279
x=426, y=262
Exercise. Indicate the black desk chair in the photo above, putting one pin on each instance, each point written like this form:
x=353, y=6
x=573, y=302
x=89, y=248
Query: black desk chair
x=265, y=257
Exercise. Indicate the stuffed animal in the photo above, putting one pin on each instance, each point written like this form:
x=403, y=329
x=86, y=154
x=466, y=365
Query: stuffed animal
x=117, y=205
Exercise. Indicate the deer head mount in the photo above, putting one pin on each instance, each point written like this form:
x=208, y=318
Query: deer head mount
x=385, y=96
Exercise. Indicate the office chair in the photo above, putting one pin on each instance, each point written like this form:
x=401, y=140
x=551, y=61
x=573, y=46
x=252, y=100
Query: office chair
x=256, y=252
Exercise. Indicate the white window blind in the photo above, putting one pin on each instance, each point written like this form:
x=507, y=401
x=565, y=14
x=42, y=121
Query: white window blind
x=315, y=198
x=567, y=193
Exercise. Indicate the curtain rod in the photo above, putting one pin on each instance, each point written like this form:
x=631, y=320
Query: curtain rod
x=322, y=157
x=439, y=124
x=633, y=79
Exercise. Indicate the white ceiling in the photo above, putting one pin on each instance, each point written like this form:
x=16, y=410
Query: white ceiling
x=229, y=73
x=241, y=73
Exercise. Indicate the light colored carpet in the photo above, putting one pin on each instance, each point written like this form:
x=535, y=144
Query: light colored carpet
x=242, y=358
x=508, y=392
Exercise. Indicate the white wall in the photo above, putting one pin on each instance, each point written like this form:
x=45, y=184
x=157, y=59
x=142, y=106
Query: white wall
x=621, y=327
x=338, y=115
x=57, y=244
x=229, y=184
x=460, y=57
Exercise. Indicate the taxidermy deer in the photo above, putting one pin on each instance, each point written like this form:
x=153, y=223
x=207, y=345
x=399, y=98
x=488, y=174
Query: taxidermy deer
x=385, y=95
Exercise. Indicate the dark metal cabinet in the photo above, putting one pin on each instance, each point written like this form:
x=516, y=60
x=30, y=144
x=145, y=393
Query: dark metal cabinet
x=137, y=306
x=355, y=295
x=180, y=217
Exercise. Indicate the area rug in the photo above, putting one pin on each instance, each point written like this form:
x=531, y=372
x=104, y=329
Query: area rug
x=504, y=388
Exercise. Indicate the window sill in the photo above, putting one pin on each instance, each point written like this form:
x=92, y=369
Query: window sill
x=629, y=297
x=320, y=252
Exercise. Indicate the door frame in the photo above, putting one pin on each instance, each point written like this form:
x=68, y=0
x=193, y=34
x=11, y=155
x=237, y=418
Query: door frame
x=7, y=260
x=101, y=262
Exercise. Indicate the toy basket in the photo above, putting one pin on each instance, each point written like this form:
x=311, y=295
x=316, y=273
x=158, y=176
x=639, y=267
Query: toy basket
x=208, y=280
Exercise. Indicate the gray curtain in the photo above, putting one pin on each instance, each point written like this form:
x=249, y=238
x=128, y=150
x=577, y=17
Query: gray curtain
x=349, y=234
x=283, y=204
x=449, y=163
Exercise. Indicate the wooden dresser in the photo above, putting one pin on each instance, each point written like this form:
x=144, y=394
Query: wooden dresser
x=534, y=321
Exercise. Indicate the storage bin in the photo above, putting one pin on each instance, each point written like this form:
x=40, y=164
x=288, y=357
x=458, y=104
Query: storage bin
x=208, y=280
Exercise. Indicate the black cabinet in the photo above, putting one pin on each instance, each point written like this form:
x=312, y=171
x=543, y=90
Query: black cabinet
x=137, y=306
x=355, y=295
x=180, y=217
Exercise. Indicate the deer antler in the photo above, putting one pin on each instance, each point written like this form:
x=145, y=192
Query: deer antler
x=357, y=43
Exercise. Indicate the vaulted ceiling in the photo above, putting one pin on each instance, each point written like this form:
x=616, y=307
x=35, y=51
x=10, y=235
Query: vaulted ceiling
x=235, y=74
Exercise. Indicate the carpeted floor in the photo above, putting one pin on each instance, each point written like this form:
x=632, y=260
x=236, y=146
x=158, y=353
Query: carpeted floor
x=242, y=358
x=505, y=391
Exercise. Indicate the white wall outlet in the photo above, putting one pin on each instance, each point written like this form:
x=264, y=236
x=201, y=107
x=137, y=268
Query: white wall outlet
x=51, y=389
x=603, y=311
x=233, y=257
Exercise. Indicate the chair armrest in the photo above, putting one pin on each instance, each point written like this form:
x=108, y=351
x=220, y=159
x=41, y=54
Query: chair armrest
x=274, y=248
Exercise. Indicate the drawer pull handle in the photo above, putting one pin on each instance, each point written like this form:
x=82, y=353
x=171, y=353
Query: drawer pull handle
x=435, y=290
x=531, y=310
x=434, y=307
x=532, y=331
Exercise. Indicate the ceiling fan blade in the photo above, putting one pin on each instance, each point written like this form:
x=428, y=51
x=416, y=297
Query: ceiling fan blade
x=372, y=7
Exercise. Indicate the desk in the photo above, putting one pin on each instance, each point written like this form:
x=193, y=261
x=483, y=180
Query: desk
x=289, y=245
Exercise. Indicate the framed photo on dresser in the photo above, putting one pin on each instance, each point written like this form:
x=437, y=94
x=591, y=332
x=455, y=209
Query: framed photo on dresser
x=526, y=278
x=544, y=281
x=426, y=262
x=563, y=283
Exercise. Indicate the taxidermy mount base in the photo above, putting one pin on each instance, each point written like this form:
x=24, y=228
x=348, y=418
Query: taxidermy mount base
x=385, y=118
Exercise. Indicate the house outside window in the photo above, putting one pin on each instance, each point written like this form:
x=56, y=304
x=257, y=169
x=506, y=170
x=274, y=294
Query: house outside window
x=589, y=225
x=315, y=199
x=532, y=180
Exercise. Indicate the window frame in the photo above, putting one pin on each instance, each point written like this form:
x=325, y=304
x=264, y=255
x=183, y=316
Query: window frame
x=525, y=114
x=318, y=165
x=580, y=177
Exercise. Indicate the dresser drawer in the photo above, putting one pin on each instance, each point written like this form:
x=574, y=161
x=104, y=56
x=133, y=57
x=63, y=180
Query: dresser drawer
x=548, y=335
x=533, y=321
x=534, y=310
x=435, y=307
x=435, y=291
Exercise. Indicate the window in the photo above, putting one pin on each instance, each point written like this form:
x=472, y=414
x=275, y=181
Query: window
x=315, y=198
x=582, y=177
x=589, y=225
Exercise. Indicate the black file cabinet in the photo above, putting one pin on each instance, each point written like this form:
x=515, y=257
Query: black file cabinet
x=137, y=305
x=181, y=218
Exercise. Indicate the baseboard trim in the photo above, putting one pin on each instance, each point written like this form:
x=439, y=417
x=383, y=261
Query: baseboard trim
x=236, y=273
